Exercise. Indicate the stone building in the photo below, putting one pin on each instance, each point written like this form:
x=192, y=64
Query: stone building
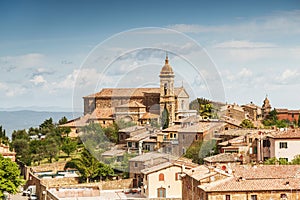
x=285, y=114
x=253, y=183
x=139, y=105
x=266, y=108
x=6, y=153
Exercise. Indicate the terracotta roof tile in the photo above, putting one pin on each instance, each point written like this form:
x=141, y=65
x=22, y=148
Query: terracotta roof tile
x=127, y=92
x=288, y=134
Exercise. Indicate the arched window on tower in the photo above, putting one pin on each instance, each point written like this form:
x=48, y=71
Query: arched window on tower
x=182, y=104
x=165, y=88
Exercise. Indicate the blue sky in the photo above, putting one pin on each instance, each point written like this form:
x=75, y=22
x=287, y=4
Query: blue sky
x=44, y=45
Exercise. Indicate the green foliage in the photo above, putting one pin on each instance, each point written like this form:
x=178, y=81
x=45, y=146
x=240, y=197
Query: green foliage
x=10, y=178
x=296, y=160
x=120, y=124
x=22, y=150
x=69, y=146
x=37, y=151
x=246, y=123
x=299, y=122
x=63, y=120
x=273, y=161
x=272, y=120
x=20, y=134
x=205, y=108
x=165, y=118
x=3, y=138
x=193, y=152
x=51, y=148
x=89, y=167
x=47, y=126
x=201, y=149
x=94, y=138
x=205, y=111
x=111, y=133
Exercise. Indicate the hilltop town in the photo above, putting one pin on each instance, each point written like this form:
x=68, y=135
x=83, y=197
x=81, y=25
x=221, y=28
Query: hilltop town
x=153, y=143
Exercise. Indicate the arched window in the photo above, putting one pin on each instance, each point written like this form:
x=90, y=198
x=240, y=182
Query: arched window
x=165, y=88
x=161, y=177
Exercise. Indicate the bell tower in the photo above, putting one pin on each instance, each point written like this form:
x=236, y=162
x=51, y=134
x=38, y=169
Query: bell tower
x=167, y=94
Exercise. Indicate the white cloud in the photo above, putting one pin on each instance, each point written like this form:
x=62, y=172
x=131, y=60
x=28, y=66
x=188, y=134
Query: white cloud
x=11, y=90
x=245, y=73
x=194, y=28
x=38, y=80
x=243, y=44
x=24, y=61
x=81, y=78
x=289, y=76
x=286, y=22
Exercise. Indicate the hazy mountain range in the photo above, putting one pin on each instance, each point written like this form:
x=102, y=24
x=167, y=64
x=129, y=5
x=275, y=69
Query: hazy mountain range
x=24, y=119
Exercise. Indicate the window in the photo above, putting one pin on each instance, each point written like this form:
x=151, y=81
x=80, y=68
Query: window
x=250, y=140
x=135, y=164
x=227, y=197
x=254, y=197
x=161, y=192
x=129, y=144
x=165, y=88
x=183, y=150
x=175, y=135
x=283, y=145
x=182, y=104
x=176, y=176
x=266, y=143
x=283, y=196
x=103, y=122
x=171, y=135
x=161, y=177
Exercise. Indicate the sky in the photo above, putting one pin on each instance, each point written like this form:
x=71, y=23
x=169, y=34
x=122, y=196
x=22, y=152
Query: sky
x=52, y=53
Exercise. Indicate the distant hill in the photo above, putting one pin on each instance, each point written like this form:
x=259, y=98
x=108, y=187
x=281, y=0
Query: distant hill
x=24, y=119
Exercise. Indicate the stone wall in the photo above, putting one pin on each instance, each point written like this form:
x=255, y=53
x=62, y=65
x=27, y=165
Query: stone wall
x=57, y=166
x=117, y=184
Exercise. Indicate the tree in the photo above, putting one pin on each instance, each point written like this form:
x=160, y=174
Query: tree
x=47, y=126
x=21, y=147
x=246, y=123
x=88, y=166
x=51, y=148
x=104, y=170
x=205, y=111
x=37, y=151
x=10, y=178
x=20, y=134
x=68, y=146
x=165, y=118
x=63, y=120
x=3, y=138
x=94, y=138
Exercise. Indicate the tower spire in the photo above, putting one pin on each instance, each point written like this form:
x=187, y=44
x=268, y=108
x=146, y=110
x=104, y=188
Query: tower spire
x=167, y=59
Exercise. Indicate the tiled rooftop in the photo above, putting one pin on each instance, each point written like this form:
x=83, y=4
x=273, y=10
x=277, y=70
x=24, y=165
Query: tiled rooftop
x=236, y=184
x=221, y=158
x=127, y=92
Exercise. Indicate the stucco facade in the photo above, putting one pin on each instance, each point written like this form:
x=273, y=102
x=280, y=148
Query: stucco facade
x=165, y=182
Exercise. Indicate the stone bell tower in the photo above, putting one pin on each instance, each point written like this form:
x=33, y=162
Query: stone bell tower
x=167, y=95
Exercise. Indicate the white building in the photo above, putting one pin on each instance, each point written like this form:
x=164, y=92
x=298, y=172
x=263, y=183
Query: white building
x=285, y=144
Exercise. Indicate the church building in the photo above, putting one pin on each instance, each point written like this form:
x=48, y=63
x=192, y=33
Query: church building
x=139, y=105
